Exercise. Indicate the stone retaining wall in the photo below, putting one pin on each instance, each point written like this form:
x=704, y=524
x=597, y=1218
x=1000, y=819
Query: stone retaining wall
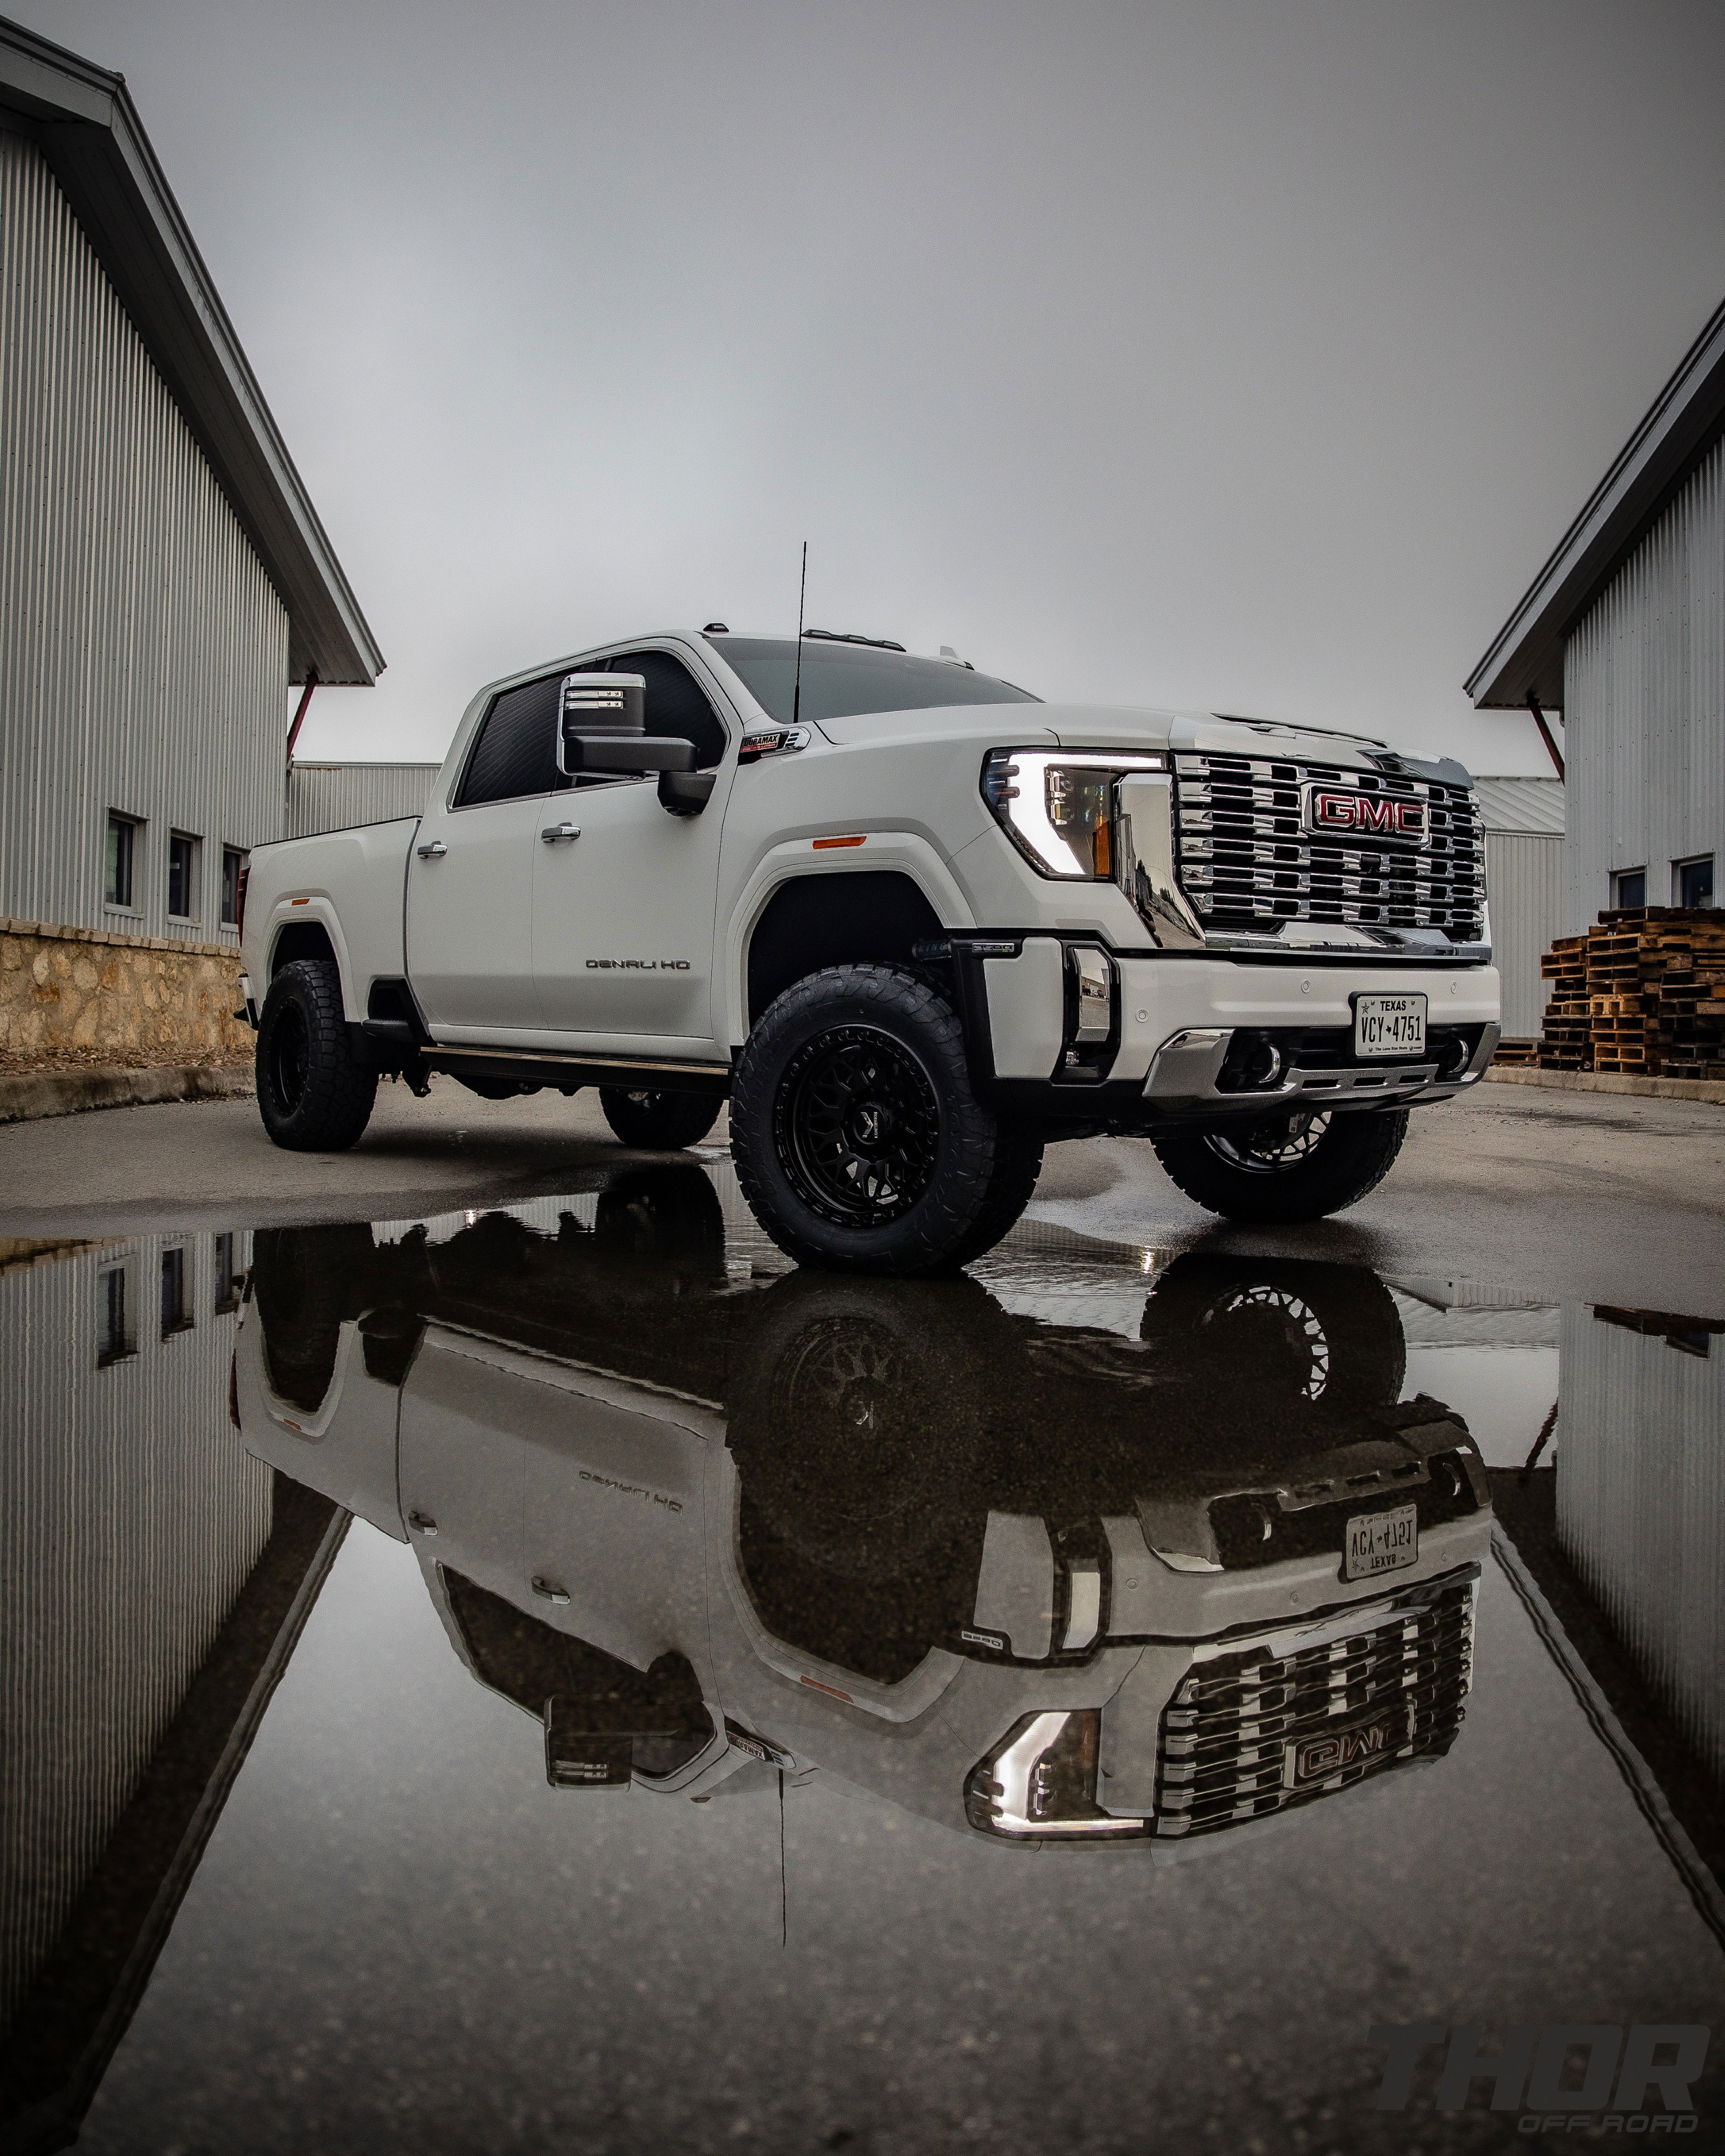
x=83, y=991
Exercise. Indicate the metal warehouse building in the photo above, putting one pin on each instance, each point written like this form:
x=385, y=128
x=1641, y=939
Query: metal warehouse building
x=1624, y=628
x=163, y=579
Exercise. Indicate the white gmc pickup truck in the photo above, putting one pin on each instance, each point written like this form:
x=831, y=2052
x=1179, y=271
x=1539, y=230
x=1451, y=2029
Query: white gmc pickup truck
x=913, y=922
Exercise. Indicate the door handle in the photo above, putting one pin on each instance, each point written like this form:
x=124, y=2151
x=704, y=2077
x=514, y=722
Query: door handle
x=434, y=852
x=548, y=1590
x=553, y=833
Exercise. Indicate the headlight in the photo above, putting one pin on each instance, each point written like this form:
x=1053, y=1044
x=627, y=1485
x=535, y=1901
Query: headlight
x=1059, y=806
x=1040, y=1782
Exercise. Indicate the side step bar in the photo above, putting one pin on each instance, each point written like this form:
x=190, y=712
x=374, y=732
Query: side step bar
x=549, y=1068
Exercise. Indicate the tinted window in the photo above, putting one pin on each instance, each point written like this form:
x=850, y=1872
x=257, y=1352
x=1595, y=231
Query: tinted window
x=841, y=680
x=675, y=704
x=516, y=753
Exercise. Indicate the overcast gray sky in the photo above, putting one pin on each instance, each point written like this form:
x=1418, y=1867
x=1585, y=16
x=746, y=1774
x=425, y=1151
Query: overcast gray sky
x=1251, y=357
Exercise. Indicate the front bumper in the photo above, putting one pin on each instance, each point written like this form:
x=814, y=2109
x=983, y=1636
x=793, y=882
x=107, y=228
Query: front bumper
x=1175, y=1016
x=1185, y=1074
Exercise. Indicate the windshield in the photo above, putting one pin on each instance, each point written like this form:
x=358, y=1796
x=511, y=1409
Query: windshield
x=841, y=680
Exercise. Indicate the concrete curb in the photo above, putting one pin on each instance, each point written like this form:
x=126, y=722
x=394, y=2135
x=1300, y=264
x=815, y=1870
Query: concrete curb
x=27, y=1095
x=1611, y=1081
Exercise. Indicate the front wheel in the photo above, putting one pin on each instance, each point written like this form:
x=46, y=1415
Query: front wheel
x=1290, y=1167
x=859, y=1143
x=314, y=1093
x=658, y=1123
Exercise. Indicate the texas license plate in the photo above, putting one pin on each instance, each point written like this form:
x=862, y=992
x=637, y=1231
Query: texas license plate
x=1389, y=1025
x=1382, y=1541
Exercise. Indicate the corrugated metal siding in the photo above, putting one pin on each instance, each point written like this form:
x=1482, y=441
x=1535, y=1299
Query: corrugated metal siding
x=143, y=651
x=1644, y=706
x=1524, y=882
x=332, y=797
x=1521, y=804
x=130, y=1519
x=1642, y=1508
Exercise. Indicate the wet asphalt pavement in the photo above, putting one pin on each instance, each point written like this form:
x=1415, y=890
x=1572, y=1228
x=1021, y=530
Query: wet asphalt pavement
x=494, y=1659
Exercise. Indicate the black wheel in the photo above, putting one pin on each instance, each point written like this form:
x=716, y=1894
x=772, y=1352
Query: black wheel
x=1277, y=1339
x=658, y=1123
x=1295, y=1167
x=306, y=1282
x=858, y=1144
x=860, y=1534
x=314, y=1093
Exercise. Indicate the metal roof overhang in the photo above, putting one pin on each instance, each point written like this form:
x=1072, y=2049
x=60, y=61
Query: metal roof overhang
x=83, y=120
x=1527, y=655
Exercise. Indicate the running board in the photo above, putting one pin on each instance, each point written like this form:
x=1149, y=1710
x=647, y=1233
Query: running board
x=549, y=1067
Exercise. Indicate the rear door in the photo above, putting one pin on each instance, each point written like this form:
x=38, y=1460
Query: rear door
x=470, y=874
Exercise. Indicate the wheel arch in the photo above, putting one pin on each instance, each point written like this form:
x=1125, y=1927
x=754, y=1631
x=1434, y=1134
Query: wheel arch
x=313, y=933
x=794, y=917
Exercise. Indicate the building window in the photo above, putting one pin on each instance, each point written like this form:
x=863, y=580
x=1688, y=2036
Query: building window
x=1692, y=881
x=1631, y=886
x=176, y=1301
x=229, y=1277
x=182, y=876
x=232, y=868
x=122, y=850
x=117, y=1337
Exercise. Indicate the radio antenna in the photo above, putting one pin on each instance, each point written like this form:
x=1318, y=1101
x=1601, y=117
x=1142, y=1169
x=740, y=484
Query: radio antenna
x=802, y=593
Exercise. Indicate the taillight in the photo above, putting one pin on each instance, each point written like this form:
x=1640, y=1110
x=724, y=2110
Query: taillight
x=245, y=872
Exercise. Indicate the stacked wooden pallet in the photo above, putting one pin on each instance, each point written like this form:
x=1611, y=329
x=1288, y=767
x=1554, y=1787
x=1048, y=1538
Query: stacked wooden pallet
x=1643, y=992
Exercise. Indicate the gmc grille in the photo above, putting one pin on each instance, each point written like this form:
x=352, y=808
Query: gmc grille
x=1237, y=1721
x=1246, y=862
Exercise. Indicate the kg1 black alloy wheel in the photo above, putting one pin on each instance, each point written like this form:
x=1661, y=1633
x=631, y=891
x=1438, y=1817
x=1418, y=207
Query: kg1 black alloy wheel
x=859, y=1143
x=856, y=1127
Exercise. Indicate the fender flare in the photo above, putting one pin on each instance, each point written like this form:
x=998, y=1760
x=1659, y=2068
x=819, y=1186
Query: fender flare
x=902, y=851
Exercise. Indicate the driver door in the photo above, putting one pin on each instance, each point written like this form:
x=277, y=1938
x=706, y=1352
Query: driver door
x=624, y=914
x=470, y=874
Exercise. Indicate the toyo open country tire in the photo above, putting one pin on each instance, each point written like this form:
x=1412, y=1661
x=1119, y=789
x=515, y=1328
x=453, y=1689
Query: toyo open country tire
x=658, y=1123
x=1286, y=1169
x=315, y=1094
x=858, y=1141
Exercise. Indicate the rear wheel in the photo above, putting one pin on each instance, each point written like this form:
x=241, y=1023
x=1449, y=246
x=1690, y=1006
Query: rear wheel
x=658, y=1123
x=314, y=1093
x=1289, y=1167
x=859, y=1143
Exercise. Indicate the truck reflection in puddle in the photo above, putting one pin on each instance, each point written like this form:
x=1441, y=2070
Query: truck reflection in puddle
x=1047, y=1582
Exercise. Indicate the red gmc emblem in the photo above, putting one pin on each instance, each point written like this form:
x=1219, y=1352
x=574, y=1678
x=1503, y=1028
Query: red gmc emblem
x=1376, y=815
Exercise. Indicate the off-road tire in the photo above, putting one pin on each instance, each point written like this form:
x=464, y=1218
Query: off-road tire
x=307, y=1283
x=658, y=1123
x=1353, y=1157
x=315, y=1091
x=968, y=1182
x=1017, y=1164
x=1214, y=1320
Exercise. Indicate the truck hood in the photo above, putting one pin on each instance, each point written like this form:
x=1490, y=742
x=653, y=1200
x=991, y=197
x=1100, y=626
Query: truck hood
x=1108, y=726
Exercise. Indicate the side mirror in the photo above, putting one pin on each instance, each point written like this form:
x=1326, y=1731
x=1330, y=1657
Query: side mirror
x=601, y=727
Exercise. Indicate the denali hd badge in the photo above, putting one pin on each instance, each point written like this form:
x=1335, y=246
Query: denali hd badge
x=1368, y=815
